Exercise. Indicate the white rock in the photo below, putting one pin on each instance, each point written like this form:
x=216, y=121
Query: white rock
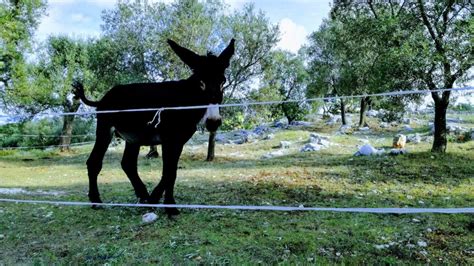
x=149, y=217
x=364, y=128
x=274, y=154
x=407, y=128
x=422, y=244
x=372, y=113
x=311, y=147
x=367, y=150
x=285, y=144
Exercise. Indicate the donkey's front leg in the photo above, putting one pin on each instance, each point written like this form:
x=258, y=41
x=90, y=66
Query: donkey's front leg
x=170, y=154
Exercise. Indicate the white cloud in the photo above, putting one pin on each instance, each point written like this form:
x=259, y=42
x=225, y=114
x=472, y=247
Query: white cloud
x=80, y=18
x=292, y=35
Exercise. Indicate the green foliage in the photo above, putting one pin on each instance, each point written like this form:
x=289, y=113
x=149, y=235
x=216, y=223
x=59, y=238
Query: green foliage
x=19, y=19
x=44, y=132
x=285, y=78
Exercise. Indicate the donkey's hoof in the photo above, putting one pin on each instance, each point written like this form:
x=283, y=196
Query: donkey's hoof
x=172, y=212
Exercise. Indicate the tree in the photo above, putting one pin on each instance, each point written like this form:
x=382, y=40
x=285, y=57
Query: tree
x=287, y=76
x=255, y=36
x=19, y=19
x=63, y=61
x=330, y=63
x=447, y=54
x=370, y=48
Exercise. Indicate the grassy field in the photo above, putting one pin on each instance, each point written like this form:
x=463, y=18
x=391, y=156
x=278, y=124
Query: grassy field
x=45, y=234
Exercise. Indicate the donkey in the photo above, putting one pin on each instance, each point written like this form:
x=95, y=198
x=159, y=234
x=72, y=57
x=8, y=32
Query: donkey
x=170, y=128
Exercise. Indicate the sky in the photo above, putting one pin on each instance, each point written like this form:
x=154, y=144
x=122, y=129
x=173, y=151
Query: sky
x=82, y=18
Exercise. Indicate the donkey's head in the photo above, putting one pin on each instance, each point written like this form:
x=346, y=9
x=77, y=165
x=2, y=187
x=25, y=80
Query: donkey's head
x=208, y=71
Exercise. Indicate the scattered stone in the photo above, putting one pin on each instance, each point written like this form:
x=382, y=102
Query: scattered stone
x=367, y=150
x=382, y=246
x=333, y=120
x=414, y=138
x=422, y=244
x=344, y=129
x=398, y=152
x=269, y=136
x=274, y=154
x=318, y=139
x=311, y=147
x=364, y=129
x=399, y=141
x=372, y=113
x=406, y=121
x=149, y=217
x=261, y=130
x=284, y=144
x=407, y=128
x=384, y=125
x=300, y=124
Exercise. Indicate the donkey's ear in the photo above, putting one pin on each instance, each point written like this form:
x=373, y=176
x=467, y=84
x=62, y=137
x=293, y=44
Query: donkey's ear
x=187, y=56
x=225, y=56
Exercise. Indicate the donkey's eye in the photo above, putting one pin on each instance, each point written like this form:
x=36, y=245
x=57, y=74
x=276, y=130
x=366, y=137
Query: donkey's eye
x=203, y=85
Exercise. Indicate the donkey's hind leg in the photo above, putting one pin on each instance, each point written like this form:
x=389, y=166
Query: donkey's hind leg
x=129, y=166
x=94, y=163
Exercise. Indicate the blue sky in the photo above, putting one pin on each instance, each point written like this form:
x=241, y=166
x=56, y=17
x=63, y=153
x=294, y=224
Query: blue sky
x=296, y=18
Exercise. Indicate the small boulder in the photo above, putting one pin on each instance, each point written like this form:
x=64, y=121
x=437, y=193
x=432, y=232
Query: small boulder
x=398, y=152
x=399, y=141
x=414, y=138
x=284, y=144
x=367, y=150
x=273, y=154
x=311, y=147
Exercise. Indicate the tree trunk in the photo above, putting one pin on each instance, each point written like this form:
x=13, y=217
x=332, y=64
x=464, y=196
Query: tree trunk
x=211, y=146
x=440, y=141
x=364, y=103
x=343, y=112
x=68, y=122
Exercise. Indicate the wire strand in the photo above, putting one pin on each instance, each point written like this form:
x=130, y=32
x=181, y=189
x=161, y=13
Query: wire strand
x=254, y=208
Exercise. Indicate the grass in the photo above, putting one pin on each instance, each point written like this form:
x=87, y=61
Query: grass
x=45, y=234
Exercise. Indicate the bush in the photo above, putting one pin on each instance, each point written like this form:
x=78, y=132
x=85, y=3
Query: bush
x=43, y=132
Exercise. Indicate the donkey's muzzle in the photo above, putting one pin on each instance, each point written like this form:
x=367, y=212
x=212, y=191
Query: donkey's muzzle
x=213, y=118
x=213, y=125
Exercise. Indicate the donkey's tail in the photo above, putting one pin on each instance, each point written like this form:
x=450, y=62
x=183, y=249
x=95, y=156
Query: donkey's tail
x=79, y=93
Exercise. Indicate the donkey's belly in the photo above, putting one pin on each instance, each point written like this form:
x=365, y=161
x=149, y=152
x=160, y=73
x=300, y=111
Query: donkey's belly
x=141, y=139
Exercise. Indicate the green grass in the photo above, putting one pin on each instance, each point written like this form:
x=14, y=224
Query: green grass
x=45, y=234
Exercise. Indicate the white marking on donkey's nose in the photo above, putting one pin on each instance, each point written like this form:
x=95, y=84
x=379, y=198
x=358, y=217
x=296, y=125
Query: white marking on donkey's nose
x=212, y=112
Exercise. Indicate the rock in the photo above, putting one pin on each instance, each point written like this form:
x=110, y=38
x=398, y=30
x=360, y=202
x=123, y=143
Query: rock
x=367, y=150
x=317, y=139
x=344, y=129
x=284, y=144
x=398, y=151
x=364, y=129
x=333, y=120
x=414, y=138
x=260, y=130
x=274, y=154
x=406, y=121
x=220, y=138
x=301, y=123
x=399, y=141
x=422, y=244
x=282, y=123
x=269, y=136
x=149, y=217
x=311, y=147
x=384, y=125
x=407, y=128
x=372, y=113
